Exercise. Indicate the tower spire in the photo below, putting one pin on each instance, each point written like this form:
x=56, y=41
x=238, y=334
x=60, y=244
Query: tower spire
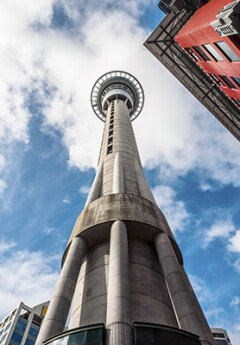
x=122, y=262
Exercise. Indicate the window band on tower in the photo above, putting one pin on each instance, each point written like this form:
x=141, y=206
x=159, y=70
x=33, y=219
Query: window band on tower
x=110, y=133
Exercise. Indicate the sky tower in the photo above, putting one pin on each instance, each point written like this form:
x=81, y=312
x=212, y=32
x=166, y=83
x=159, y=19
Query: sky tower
x=122, y=272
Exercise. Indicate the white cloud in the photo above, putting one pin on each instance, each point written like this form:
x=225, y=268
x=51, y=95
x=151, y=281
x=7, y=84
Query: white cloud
x=84, y=190
x=220, y=229
x=234, y=333
x=49, y=230
x=174, y=210
x=2, y=161
x=66, y=200
x=5, y=246
x=69, y=65
x=234, y=242
x=29, y=277
x=201, y=289
x=3, y=186
x=235, y=302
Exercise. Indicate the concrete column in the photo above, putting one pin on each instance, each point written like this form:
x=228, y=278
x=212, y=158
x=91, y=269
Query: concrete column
x=187, y=313
x=29, y=323
x=118, y=177
x=96, y=186
x=118, y=320
x=198, y=307
x=56, y=316
x=143, y=186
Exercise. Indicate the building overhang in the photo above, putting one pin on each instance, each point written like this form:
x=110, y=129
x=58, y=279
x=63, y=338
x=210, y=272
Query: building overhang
x=162, y=45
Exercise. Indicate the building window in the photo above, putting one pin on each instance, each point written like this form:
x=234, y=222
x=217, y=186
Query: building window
x=237, y=80
x=16, y=337
x=212, y=52
x=110, y=140
x=111, y=127
x=216, y=79
x=111, y=121
x=21, y=325
x=191, y=52
x=33, y=332
x=110, y=133
x=227, y=51
x=201, y=53
x=111, y=118
x=237, y=101
x=109, y=149
x=227, y=82
x=29, y=342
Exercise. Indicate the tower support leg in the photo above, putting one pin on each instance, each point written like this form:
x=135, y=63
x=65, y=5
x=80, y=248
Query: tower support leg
x=179, y=288
x=56, y=317
x=118, y=302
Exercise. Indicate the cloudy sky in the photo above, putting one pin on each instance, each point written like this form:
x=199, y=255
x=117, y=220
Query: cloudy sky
x=51, y=53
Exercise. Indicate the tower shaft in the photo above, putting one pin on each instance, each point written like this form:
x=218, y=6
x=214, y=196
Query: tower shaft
x=119, y=167
x=122, y=262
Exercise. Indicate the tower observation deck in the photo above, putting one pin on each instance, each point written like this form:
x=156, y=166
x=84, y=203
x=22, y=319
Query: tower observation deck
x=122, y=271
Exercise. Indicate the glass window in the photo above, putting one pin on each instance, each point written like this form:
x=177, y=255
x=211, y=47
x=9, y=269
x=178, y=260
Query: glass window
x=110, y=140
x=33, y=332
x=16, y=337
x=84, y=337
x=111, y=122
x=29, y=342
x=111, y=127
x=237, y=101
x=110, y=133
x=21, y=325
x=237, y=80
x=109, y=149
x=216, y=79
x=212, y=52
x=227, y=51
x=221, y=342
x=191, y=52
x=227, y=82
x=156, y=334
x=201, y=53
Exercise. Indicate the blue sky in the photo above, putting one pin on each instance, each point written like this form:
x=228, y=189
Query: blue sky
x=51, y=55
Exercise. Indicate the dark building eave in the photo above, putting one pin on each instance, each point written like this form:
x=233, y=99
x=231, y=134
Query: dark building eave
x=162, y=44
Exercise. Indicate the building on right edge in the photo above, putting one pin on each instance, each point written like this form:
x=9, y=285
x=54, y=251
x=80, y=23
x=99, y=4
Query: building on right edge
x=221, y=337
x=211, y=38
x=198, y=41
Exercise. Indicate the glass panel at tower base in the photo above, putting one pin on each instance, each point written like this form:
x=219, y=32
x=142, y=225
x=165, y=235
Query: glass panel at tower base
x=151, y=334
x=92, y=335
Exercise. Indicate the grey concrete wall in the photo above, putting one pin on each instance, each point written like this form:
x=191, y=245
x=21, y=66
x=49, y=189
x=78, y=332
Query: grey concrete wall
x=90, y=297
x=185, y=307
x=56, y=316
x=149, y=296
x=123, y=207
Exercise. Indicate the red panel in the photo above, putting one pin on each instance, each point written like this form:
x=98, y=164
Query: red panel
x=198, y=31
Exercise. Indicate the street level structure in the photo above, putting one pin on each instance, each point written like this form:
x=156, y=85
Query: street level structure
x=221, y=336
x=21, y=326
x=122, y=271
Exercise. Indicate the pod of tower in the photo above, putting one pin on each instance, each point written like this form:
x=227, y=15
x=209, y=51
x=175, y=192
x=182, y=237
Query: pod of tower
x=122, y=271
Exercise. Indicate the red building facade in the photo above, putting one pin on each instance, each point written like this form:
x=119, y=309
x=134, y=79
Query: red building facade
x=216, y=52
